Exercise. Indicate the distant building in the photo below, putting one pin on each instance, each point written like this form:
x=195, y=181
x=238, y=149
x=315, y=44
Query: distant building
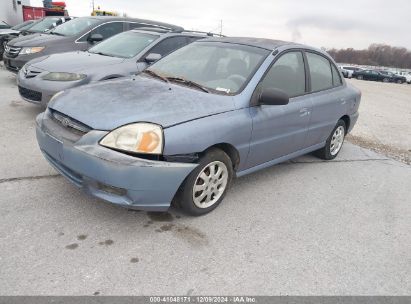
x=11, y=11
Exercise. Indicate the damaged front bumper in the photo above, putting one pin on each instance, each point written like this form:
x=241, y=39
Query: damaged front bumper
x=112, y=176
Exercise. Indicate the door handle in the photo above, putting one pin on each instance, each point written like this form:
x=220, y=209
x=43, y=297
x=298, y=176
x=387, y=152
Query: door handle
x=304, y=112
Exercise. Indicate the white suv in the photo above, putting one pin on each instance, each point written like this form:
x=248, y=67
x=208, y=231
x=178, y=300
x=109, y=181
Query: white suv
x=407, y=75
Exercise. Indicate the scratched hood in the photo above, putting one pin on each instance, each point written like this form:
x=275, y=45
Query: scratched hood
x=110, y=104
x=74, y=62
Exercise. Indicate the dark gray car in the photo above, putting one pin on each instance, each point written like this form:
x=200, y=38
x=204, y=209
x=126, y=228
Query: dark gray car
x=78, y=34
x=125, y=54
x=15, y=30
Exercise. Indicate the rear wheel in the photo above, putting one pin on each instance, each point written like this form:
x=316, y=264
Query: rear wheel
x=204, y=189
x=385, y=80
x=334, y=142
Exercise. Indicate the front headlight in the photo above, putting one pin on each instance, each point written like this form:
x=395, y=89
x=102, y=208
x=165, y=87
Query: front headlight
x=31, y=50
x=144, y=138
x=55, y=76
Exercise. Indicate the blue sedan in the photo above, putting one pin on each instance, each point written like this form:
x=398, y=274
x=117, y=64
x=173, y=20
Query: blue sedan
x=180, y=131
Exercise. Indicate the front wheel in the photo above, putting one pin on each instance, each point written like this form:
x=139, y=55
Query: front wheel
x=399, y=81
x=334, y=142
x=205, y=187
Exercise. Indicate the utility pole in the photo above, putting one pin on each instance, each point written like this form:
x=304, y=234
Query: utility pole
x=221, y=27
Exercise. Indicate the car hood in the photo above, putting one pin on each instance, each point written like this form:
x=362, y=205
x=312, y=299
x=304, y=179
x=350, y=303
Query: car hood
x=74, y=62
x=8, y=32
x=36, y=40
x=110, y=104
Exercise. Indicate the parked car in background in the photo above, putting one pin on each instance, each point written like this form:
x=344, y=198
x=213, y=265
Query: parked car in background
x=78, y=34
x=122, y=55
x=405, y=74
x=347, y=71
x=214, y=109
x=5, y=34
x=371, y=75
x=394, y=78
x=45, y=24
x=4, y=25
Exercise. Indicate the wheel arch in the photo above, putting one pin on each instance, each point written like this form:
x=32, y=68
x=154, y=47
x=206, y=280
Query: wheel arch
x=230, y=150
x=347, y=121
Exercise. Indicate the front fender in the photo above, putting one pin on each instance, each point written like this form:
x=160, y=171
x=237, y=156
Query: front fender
x=232, y=127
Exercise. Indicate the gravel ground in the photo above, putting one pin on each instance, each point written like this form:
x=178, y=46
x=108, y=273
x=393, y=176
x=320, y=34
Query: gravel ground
x=384, y=124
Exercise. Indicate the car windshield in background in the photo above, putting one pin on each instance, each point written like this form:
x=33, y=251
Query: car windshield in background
x=22, y=25
x=44, y=25
x=124, y=45
x=221, y=67
x=29, y=25
x=74, y=27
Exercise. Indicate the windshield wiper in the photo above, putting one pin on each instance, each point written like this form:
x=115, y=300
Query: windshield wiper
x=54, y=33
x=188, y=83
x=102, y=54
x=154, y=74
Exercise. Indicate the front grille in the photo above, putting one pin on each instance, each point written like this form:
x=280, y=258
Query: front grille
x=30, y=94
x=30, y=73
x=12, y=51
x=68, y=122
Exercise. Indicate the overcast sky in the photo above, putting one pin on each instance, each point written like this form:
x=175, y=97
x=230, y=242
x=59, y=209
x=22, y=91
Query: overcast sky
x=321, y=23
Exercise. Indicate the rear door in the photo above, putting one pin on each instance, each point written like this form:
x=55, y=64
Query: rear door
x=327, y=95
x=281, y=130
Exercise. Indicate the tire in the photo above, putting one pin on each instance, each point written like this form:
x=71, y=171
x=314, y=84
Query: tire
x=399, y=81
x=385, y=80
x=191, y=201
x=327, y=152
x=359, y=77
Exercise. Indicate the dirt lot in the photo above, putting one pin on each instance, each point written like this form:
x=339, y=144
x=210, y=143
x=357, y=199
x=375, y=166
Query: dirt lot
x=306, y=227
x=385, y=119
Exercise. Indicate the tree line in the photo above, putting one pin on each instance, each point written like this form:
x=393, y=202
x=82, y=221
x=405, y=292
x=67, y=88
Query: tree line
x=375, y=55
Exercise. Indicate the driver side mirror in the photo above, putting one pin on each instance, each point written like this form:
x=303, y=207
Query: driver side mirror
x=95, y=38
x=152, y=57
x=273, y=97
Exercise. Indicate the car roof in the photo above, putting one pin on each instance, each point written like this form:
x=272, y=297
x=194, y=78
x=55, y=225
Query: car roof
x=264, y=43
x=137, y=20
x=163, y=32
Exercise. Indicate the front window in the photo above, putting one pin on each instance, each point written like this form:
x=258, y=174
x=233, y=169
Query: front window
x=220, y=67
x=44, y=25
x=124, y=45
x=74, y=27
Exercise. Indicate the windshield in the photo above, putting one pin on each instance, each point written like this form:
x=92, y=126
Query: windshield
x=4, y=25
x=74, y=26
x=44, y=25
x=221, y=67
x=22, y=25
x=29, y=25
x=124, y=45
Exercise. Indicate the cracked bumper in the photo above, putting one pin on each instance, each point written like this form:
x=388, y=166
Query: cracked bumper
x=109, y=175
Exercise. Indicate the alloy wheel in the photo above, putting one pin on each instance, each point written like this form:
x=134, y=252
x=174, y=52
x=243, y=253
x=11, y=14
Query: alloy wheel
x=210, y=184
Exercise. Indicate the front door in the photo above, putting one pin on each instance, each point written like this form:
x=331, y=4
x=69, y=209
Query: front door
x=281, y=130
